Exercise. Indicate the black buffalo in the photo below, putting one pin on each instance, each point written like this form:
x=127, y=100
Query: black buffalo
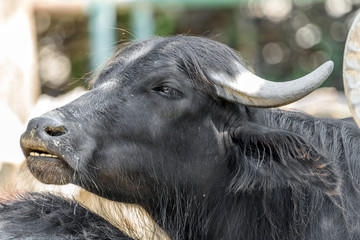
x=168, y=126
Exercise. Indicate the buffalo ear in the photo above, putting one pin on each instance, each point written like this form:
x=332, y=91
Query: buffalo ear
x=264, y=158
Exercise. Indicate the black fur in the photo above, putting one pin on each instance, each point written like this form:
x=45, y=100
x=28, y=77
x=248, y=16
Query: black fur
x=291, y=176
x=153, y=132
x=38, y=216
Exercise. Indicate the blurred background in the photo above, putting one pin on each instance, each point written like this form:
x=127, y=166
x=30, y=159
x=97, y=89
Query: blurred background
x=50, y=49
x=279, y=39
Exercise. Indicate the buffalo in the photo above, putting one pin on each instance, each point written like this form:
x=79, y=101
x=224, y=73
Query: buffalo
x=180, y=127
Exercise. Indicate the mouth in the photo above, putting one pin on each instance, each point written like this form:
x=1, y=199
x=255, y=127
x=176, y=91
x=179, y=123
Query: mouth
x=37, y=154
x=48, y=167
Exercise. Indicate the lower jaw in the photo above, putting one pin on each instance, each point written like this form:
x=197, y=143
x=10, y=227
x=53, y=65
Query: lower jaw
x=50, y=171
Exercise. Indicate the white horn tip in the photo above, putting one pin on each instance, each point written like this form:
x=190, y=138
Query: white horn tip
x=329, y=66
x=324, y=71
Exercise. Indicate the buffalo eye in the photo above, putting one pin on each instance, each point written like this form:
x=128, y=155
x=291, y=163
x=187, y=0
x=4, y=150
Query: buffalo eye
x=167, y=92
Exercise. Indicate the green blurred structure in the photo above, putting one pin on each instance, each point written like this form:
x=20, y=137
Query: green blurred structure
x=102, y=24
x=102, y=21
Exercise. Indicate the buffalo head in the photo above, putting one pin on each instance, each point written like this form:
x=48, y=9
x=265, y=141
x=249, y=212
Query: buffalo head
x=163, y=113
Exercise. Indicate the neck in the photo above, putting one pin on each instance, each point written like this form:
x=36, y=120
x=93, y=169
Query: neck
x=273, y=214
x=181, y=215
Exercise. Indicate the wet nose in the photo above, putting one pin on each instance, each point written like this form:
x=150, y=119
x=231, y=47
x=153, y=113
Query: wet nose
x=45, y=127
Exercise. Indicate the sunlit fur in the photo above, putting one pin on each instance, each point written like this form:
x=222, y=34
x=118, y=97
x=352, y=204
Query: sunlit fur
x=202, y=167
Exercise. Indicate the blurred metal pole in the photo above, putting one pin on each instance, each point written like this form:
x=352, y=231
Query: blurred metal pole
x=142, y=21
x=102, y=23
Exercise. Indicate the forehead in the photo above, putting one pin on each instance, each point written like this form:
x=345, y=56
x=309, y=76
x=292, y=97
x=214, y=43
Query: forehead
x=135, y=52
x=136, y=59
x=192, y=57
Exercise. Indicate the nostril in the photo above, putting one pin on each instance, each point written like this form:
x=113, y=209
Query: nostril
x=55, y=131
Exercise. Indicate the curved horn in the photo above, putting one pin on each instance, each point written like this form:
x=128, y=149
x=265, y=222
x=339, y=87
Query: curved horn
x=248, y=89
x=351, y=69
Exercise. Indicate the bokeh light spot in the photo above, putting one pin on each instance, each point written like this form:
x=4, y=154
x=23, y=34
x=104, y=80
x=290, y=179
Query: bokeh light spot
x=337, y=8
x=308, y=36
x=273, y=53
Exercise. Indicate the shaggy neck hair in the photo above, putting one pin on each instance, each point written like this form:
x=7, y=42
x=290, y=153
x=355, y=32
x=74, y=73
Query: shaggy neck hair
x=283, y=182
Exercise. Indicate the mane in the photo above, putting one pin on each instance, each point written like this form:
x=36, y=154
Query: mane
x=336, y=141
x=311, y=193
